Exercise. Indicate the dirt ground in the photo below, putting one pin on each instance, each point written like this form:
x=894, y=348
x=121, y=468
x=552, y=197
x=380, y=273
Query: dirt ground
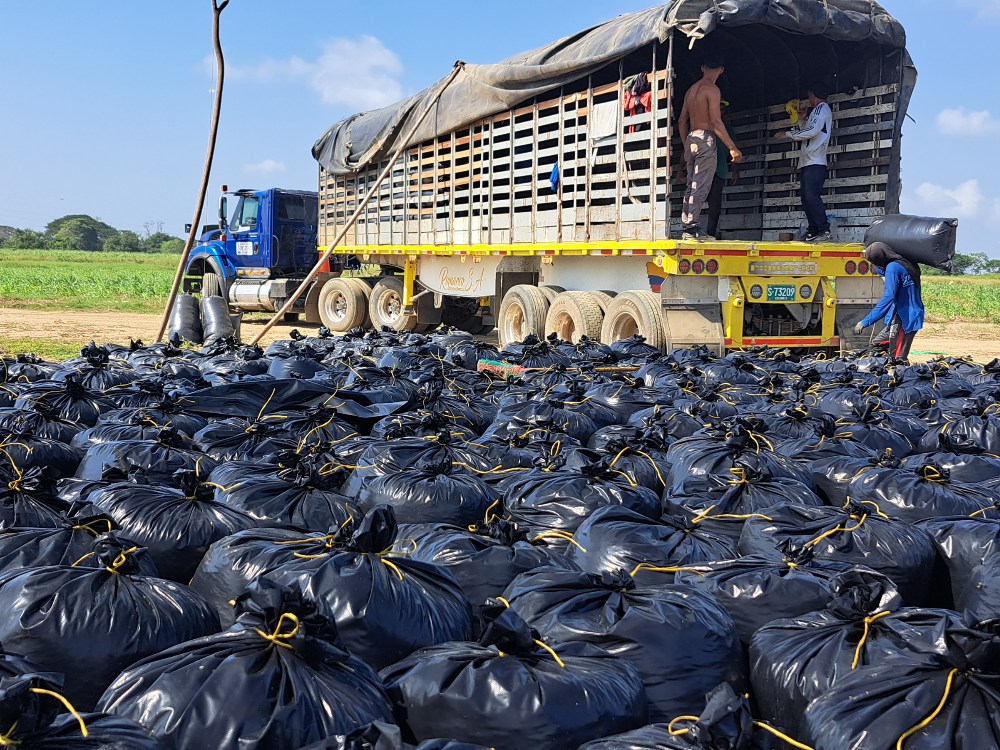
x=980, y=340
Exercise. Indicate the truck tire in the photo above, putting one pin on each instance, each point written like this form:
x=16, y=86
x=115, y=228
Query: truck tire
x=385, y=306
x=211, y=285
x=522, y=312
x=635, y=312
x=551, y=292
x=573, y=315
x=604, y=299
x=343, y=304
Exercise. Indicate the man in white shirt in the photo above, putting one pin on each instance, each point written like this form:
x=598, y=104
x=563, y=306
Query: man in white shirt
x=815, y=138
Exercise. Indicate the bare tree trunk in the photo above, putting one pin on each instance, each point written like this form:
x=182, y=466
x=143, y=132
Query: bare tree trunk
x=217, y=7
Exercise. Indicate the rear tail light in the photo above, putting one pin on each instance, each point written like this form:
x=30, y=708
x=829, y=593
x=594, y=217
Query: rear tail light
x=684, y=266
x=851, y=267
x=712, y=266
x=863, y=267
x=698, y=266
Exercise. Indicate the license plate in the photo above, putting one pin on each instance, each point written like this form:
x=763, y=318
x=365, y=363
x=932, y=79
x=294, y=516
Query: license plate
x=780, y=292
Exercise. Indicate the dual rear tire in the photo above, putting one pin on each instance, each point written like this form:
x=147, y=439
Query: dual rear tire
x=600, y=316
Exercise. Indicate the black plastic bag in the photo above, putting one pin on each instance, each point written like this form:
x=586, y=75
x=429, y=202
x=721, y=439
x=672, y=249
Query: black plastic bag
x=855, y=534
x=32, y=716
x=923, y=491
x=560, y=498
x=725, y=724
x=91, y=623
x=794, y=661
x=833, y=476
x=41, y=421
x=756, y=590
x=158, y=459
x=509, y=686
x=69, y=400
x=381, y=736
x=216, y=324
x=919, y=239
x=680, y=640
x=34, y=547
x=431, y=491
x=484, y=557
x=176, y=524
x=964, y=543
x=185, y=319
x=277, y=679
x=616, y=538
x=941, y=700
x=302, y=496
x=385, y=605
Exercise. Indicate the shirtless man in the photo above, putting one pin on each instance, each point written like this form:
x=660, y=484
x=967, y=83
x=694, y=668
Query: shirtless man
x=699, y=125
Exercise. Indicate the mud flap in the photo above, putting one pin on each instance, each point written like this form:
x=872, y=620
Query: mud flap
x=847, y=316
x=688, y=326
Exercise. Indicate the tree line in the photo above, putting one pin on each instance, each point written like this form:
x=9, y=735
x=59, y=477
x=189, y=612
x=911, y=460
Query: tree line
x=83, y=232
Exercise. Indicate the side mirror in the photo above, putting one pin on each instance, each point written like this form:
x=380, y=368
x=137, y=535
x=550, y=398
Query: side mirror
x=223, y=210
x=187, y=229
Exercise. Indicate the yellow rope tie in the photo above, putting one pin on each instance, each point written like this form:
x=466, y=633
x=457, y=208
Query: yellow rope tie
x=621, y=453
x=931, y=474
x=90, y=527
x=864, y=637
x=933, y=715
x=261, y=412
x=758, y=439
x=392, y=566
x=218, y=486
x=486, y=516
x=120, y=559
x=552, y=653
x=627, y=476
x=981, y=511
x=66, y=704
x=782, y=736
x=678, y=732
x=789, y=563
x=741, y=476
x=878, y=510
x=89, y=554
x=703, y=515
x=559, y=534
x=835, y=530
x=503, y=601
x=6, y=740
x=314, y=430
x=278, y=638
x=664, y=569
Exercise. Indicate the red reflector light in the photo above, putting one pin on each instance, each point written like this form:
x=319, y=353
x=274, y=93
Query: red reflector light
x=851, y=267
x=684, y=266
x=698, y=266
x=863, y=267
x=712, y=266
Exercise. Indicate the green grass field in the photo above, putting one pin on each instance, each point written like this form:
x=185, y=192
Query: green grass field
x=73, y=280
x=967, y=298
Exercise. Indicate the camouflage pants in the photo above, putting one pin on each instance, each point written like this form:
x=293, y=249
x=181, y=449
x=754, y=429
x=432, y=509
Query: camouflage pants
x=700, y=151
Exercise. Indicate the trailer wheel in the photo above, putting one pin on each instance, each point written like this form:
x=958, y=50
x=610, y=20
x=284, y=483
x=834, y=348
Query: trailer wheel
x=522, y=312
x=343, y=304
x=211, y=284
x=604, y=299
x=551, y=292
x=635, y=312
x=573, y=315
x=385, y=306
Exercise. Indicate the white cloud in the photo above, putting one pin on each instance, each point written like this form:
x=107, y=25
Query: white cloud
x=268, y=166
x=963, y=201
x=359, y=73
x=963, y=122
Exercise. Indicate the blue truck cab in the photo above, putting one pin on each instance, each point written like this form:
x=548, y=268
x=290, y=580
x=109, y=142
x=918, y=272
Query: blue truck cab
x=261, y=250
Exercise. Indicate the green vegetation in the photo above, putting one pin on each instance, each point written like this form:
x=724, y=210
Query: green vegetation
x=83, y=232
x=80, y=280
x=975, y=298
x=48, y=349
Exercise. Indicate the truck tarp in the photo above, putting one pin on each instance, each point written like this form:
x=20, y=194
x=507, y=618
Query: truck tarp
x=483, y=90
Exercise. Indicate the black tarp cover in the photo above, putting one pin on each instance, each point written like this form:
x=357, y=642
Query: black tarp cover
x=482, y=90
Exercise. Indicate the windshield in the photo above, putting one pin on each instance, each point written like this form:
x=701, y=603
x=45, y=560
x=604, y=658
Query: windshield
x=299, y=208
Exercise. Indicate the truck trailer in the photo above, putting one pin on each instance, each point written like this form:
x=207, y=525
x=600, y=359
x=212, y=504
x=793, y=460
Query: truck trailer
x=542, y=193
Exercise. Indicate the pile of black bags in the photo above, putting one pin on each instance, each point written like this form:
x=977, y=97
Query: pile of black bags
x=365, y=543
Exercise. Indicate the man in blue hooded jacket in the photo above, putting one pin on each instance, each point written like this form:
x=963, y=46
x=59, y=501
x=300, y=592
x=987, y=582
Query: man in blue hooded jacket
x=901, y=300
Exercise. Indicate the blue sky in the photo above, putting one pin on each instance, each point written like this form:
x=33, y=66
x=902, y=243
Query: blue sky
x=106, y=103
